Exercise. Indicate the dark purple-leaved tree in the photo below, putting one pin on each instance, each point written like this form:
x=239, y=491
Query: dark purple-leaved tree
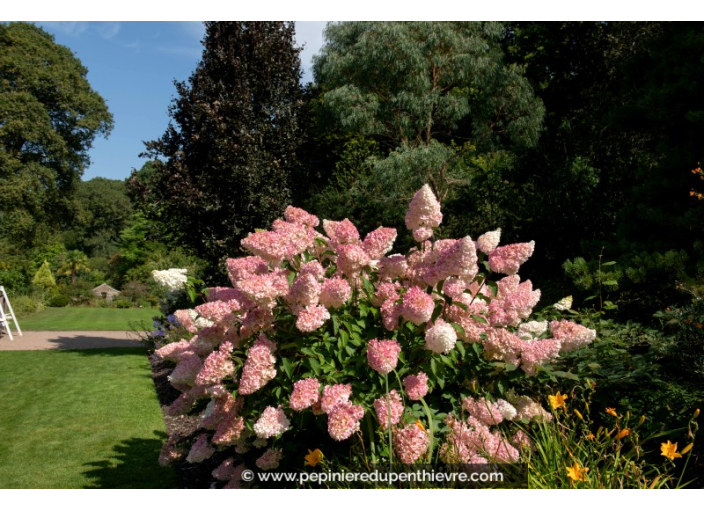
x=224, y=166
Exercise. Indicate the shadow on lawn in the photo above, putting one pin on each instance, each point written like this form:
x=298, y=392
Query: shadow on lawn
x=134, y=465
x=108, y=346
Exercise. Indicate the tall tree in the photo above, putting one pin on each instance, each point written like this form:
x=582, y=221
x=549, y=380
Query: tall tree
x=440, y=101
x=49, y=117
x=103, y=211
x=223, y=166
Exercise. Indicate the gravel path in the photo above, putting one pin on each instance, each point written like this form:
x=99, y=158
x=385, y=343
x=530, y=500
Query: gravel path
x=44, y=340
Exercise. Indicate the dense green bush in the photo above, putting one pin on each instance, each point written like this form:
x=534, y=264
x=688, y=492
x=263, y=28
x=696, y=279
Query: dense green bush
x=26, y=305
x=58, y=301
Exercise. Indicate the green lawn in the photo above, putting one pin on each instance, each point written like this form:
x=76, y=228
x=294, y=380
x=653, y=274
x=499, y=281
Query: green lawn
x=80, y=419
x=89, y=319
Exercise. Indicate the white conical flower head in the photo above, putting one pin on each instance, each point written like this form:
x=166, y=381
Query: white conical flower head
x=489, y=241
x=424, y=210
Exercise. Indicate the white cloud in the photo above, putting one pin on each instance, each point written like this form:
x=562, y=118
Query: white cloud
x=70, y=28
x=107, y=29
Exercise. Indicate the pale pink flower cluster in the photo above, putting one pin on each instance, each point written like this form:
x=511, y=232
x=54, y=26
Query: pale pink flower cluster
x=417, y=306
x=379, y=242
x=218, y=310
x=536, y=352
x=516, y=306
x=489, y=241
x=225, y=470
x=441, y=337
x=311, y=318
x=296, y=238
x=351, y=259
x=314, y=268
x=509, y=258
x=200, y=450
x=306, y=392
x=382, y=355
x=424, y=210
x=571, y=336
x=269, y=245
x=305, y=290
x=386, y=291
x=416, y=386
x=259, y=367
x=501, y=344
x=486, y=411
x=181, y=405
x=173, y=351
x=301, y=217
x=170, y=452
x=264, y=288
x=393, y=266
x=269, y=460
x=186, y=370
x=411, y=443
x=343, y=420
x=335, y=292
x=343, y=415
x=239, y=269
x=443, y=259
x=454, y=287
x=473, y=442
x=422, y=234
x=273, y=422
x=520, y=440
x=229, y=430
x=381, y=408
x=527, y=408
x=217, y=366
x=334, y=395
x=341, y=232
x=186, y=318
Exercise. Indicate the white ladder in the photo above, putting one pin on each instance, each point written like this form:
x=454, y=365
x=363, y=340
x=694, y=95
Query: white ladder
x=6, y=316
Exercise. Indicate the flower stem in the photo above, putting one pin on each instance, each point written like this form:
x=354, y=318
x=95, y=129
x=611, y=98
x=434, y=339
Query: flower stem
x=388, y=424
x=431, y=425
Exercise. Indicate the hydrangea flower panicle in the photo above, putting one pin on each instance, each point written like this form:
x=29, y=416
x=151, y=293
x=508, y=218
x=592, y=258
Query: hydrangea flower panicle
x=382, y=355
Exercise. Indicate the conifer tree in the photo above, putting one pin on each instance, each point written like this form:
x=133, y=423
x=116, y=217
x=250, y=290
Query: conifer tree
x=223, y=166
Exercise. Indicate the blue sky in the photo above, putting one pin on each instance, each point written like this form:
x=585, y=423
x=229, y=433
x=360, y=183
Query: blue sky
x=132, y=65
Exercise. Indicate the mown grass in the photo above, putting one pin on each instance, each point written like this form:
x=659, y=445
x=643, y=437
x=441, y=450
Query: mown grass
x=88, y=319
x=80, y=419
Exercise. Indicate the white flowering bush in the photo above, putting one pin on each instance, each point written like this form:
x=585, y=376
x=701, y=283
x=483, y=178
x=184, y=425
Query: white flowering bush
x=173, y=279
x=327, y=341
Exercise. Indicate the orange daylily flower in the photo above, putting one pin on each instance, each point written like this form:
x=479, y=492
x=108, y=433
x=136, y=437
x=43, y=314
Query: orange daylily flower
x=669, y=450
x=558, y=400
x=623, y=433
x=313, y=457
x=577, y=473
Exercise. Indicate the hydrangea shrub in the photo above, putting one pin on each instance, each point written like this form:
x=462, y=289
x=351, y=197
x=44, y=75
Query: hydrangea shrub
x=326, y=340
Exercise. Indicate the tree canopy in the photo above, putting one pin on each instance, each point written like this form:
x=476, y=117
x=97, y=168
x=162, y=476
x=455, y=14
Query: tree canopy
x=49, y=117
x=441, y=102
x=223, y=166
